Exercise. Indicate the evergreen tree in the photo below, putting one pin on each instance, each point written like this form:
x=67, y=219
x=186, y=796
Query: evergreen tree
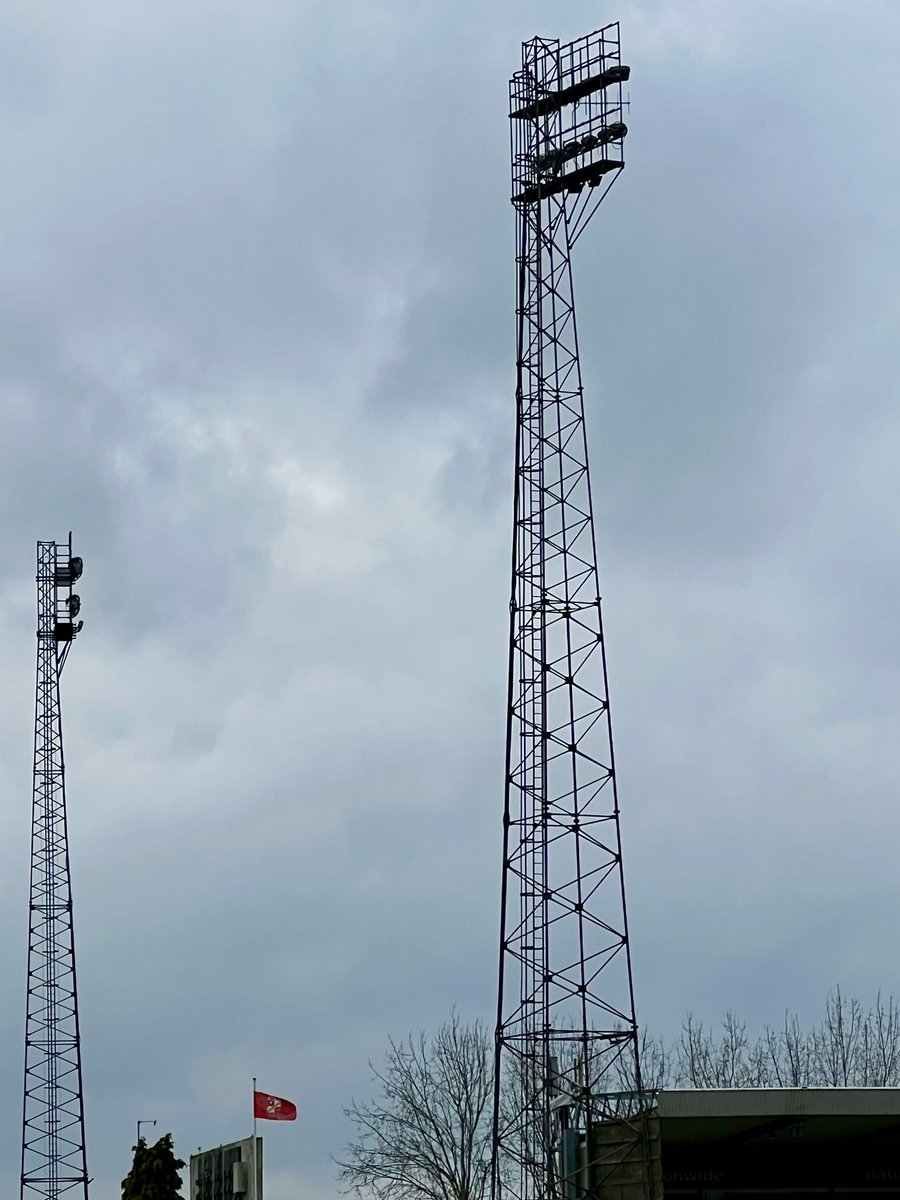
x=154, y=1172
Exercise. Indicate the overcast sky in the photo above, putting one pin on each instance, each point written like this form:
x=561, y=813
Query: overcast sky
x=257, y=350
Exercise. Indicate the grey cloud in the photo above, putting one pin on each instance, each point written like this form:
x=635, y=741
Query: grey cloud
x=257, y=350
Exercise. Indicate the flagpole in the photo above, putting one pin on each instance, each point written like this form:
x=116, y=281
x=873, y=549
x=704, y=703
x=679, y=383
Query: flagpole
x=256, y=1195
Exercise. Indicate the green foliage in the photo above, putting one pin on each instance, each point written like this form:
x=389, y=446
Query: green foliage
x=154, y=1172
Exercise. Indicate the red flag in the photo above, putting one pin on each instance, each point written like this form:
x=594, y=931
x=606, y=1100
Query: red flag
x=273, y=1108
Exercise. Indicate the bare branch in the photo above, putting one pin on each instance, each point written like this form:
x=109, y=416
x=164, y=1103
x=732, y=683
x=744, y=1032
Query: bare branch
x=426, y=1134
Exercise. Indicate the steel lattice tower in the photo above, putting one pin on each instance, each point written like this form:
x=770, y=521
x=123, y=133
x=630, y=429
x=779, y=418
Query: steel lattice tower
x=570, y=1112
x=53, y=1148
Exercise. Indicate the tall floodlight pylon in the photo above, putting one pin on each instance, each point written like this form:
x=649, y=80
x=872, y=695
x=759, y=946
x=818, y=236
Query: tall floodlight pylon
x=53, y=1148
x=570, y=1112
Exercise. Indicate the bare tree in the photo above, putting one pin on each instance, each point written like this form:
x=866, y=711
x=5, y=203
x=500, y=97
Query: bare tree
x=837, y=1044
x=849, y=1047
x=732, y=1065
x=426, y=1135
x=695, y=1054
x=657, y=1065
x=709, y=1061
x=789, y=1055
x=881, y=1042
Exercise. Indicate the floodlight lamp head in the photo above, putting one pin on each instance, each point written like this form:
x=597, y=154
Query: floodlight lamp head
x=65, y=576
x=74, y=604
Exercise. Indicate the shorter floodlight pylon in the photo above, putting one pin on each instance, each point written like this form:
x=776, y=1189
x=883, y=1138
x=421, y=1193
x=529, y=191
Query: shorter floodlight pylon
x=53, y=1145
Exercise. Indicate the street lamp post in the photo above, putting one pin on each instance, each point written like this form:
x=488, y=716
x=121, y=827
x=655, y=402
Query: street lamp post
x=139, y=1124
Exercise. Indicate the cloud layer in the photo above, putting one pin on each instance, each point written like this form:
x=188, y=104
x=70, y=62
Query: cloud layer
x=256, y=347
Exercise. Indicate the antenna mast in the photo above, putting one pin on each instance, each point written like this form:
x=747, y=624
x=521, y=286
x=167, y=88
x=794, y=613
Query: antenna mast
x=53, y=1149
x=569, y=1109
